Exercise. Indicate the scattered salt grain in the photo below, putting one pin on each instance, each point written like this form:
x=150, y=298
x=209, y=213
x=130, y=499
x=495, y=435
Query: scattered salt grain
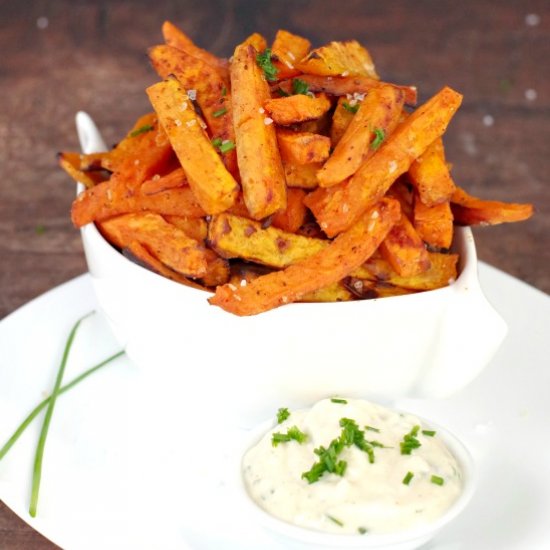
x=392, y=167
x=289, y=64
x=261, y=110
x=191, y=122
x=232, y=286
x=345, y=208
x=284, y=299
x=268, y=121
x=243, y=282
x=183, y=106
x=192, y=94
x=375, y=215
x=292, y=56
x=345, y=73
x=177, y=122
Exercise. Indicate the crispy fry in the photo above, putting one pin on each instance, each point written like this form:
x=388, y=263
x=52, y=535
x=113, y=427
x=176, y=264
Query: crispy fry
x=99, y=203
x=211, y=92
x=339, y=58
x=287, y=49
x=378, y=115
x=347, y=252
x=70, y=162
x=214, y=187
x=338, y=207
x=170, y=245
x=302, y=147
x=442, y=271
x=234, y=237
x=178, y=39
x=196, y=228
x=157, y=183
x=404, y=249
x=430, y=175
x=348, y=85
x=297, y=108
x=434, y=224
x=469, y=210
x=260, y=165
x=294, y=215
x=257, y=41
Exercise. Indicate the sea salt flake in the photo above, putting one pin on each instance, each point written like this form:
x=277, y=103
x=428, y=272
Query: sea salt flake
x=261, y=110
x=190, y=123
x=192, y=94
x=345, y=208
x=183, y=106
x=345, y=73
x=243, y=282
x=392, y=167
x=292, y=56
x=177, y=122
x=268, y=121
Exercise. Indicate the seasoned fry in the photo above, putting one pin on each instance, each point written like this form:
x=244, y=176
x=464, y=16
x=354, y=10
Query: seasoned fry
x=178, y=39
x=430, y=175
x=214, y=187
x=348, y=85
x=260, y=166
x=468, y=210
x=339, y=59
x=257, y=41
x=208, y=87
x=196, y=228
x=376, y=118
x=297, y=108
x=338, y=207
x=170, y=245
x=302, y=175
x=302, y=147
x=234, y=237
x=294, y=215
x=157, y=183
x=347, y=252
x=70, y=162
x=341, y=119
x=287, y=50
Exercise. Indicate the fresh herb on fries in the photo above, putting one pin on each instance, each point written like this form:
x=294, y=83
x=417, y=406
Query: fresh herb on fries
x=284, y=174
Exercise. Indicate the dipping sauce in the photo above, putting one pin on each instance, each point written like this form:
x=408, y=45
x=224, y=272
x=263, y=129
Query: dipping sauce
x=352, y=466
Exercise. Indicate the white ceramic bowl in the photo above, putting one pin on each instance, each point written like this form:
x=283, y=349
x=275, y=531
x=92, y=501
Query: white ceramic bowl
x=429, y=344
x=300, y=538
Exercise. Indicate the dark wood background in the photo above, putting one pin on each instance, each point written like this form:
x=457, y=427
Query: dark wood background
x=57, y=57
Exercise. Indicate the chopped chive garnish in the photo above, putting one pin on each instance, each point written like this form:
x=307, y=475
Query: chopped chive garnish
x=39, y=455
x=338, y=400
x=437, y=480
x=40, y=229
x=299, y=86
x=216, y=142
x=372, y=429
x=282, y=92
x=292, y=433
x=362, y=530
x=335, y=520
x=226, y=146
x=407, y=478
x=429, y=433
x=141, y=130
x=224, y=91
x=282, y=415
x=410, y=441
x=265, y=63
x=219, y=113
x=379, y=137
x=351, y=108
x=36, y=411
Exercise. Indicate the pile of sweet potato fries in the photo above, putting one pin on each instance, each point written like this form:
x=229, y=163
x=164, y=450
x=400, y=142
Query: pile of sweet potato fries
x=283, y=174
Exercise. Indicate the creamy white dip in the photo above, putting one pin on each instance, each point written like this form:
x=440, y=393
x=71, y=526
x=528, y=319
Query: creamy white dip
x=370, y=497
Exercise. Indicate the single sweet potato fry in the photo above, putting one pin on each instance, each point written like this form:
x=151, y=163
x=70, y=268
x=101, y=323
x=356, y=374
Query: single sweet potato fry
x=302, y=175
x=442, y=272
x=434, y=224
x=210, y=92
x=344, y=86
x=168, y=243
x=376, y=118
x=341, y=119
x=70, y=162
x=404, y=250
x=294, y=215
x=262, y=175
x=178, y=39
x=287, y=50
x=297, y=108
x=257, y=41
x=430, y=175
x=469, y=210
x=337, y=208
x=339, y=59
x=99, y=203
x=347, y=252
x=214, y=187
x=196, y=228
x=157, y=183
x=302, y=147
x=234, y=237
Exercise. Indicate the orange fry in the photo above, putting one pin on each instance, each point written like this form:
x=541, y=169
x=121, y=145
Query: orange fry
x=297, y=108
x=434, y=224
x=213, y=186
x=287, y=50
x=347, y=252
x=302, y=147
x=468, y=210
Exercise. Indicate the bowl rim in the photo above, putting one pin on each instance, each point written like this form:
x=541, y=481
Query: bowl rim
x=352, y=540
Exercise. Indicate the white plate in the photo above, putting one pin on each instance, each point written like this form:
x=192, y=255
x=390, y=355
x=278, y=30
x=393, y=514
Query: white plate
x=111, y=476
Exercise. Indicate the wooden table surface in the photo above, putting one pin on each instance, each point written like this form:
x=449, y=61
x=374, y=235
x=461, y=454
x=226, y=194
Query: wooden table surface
x=57, y=57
